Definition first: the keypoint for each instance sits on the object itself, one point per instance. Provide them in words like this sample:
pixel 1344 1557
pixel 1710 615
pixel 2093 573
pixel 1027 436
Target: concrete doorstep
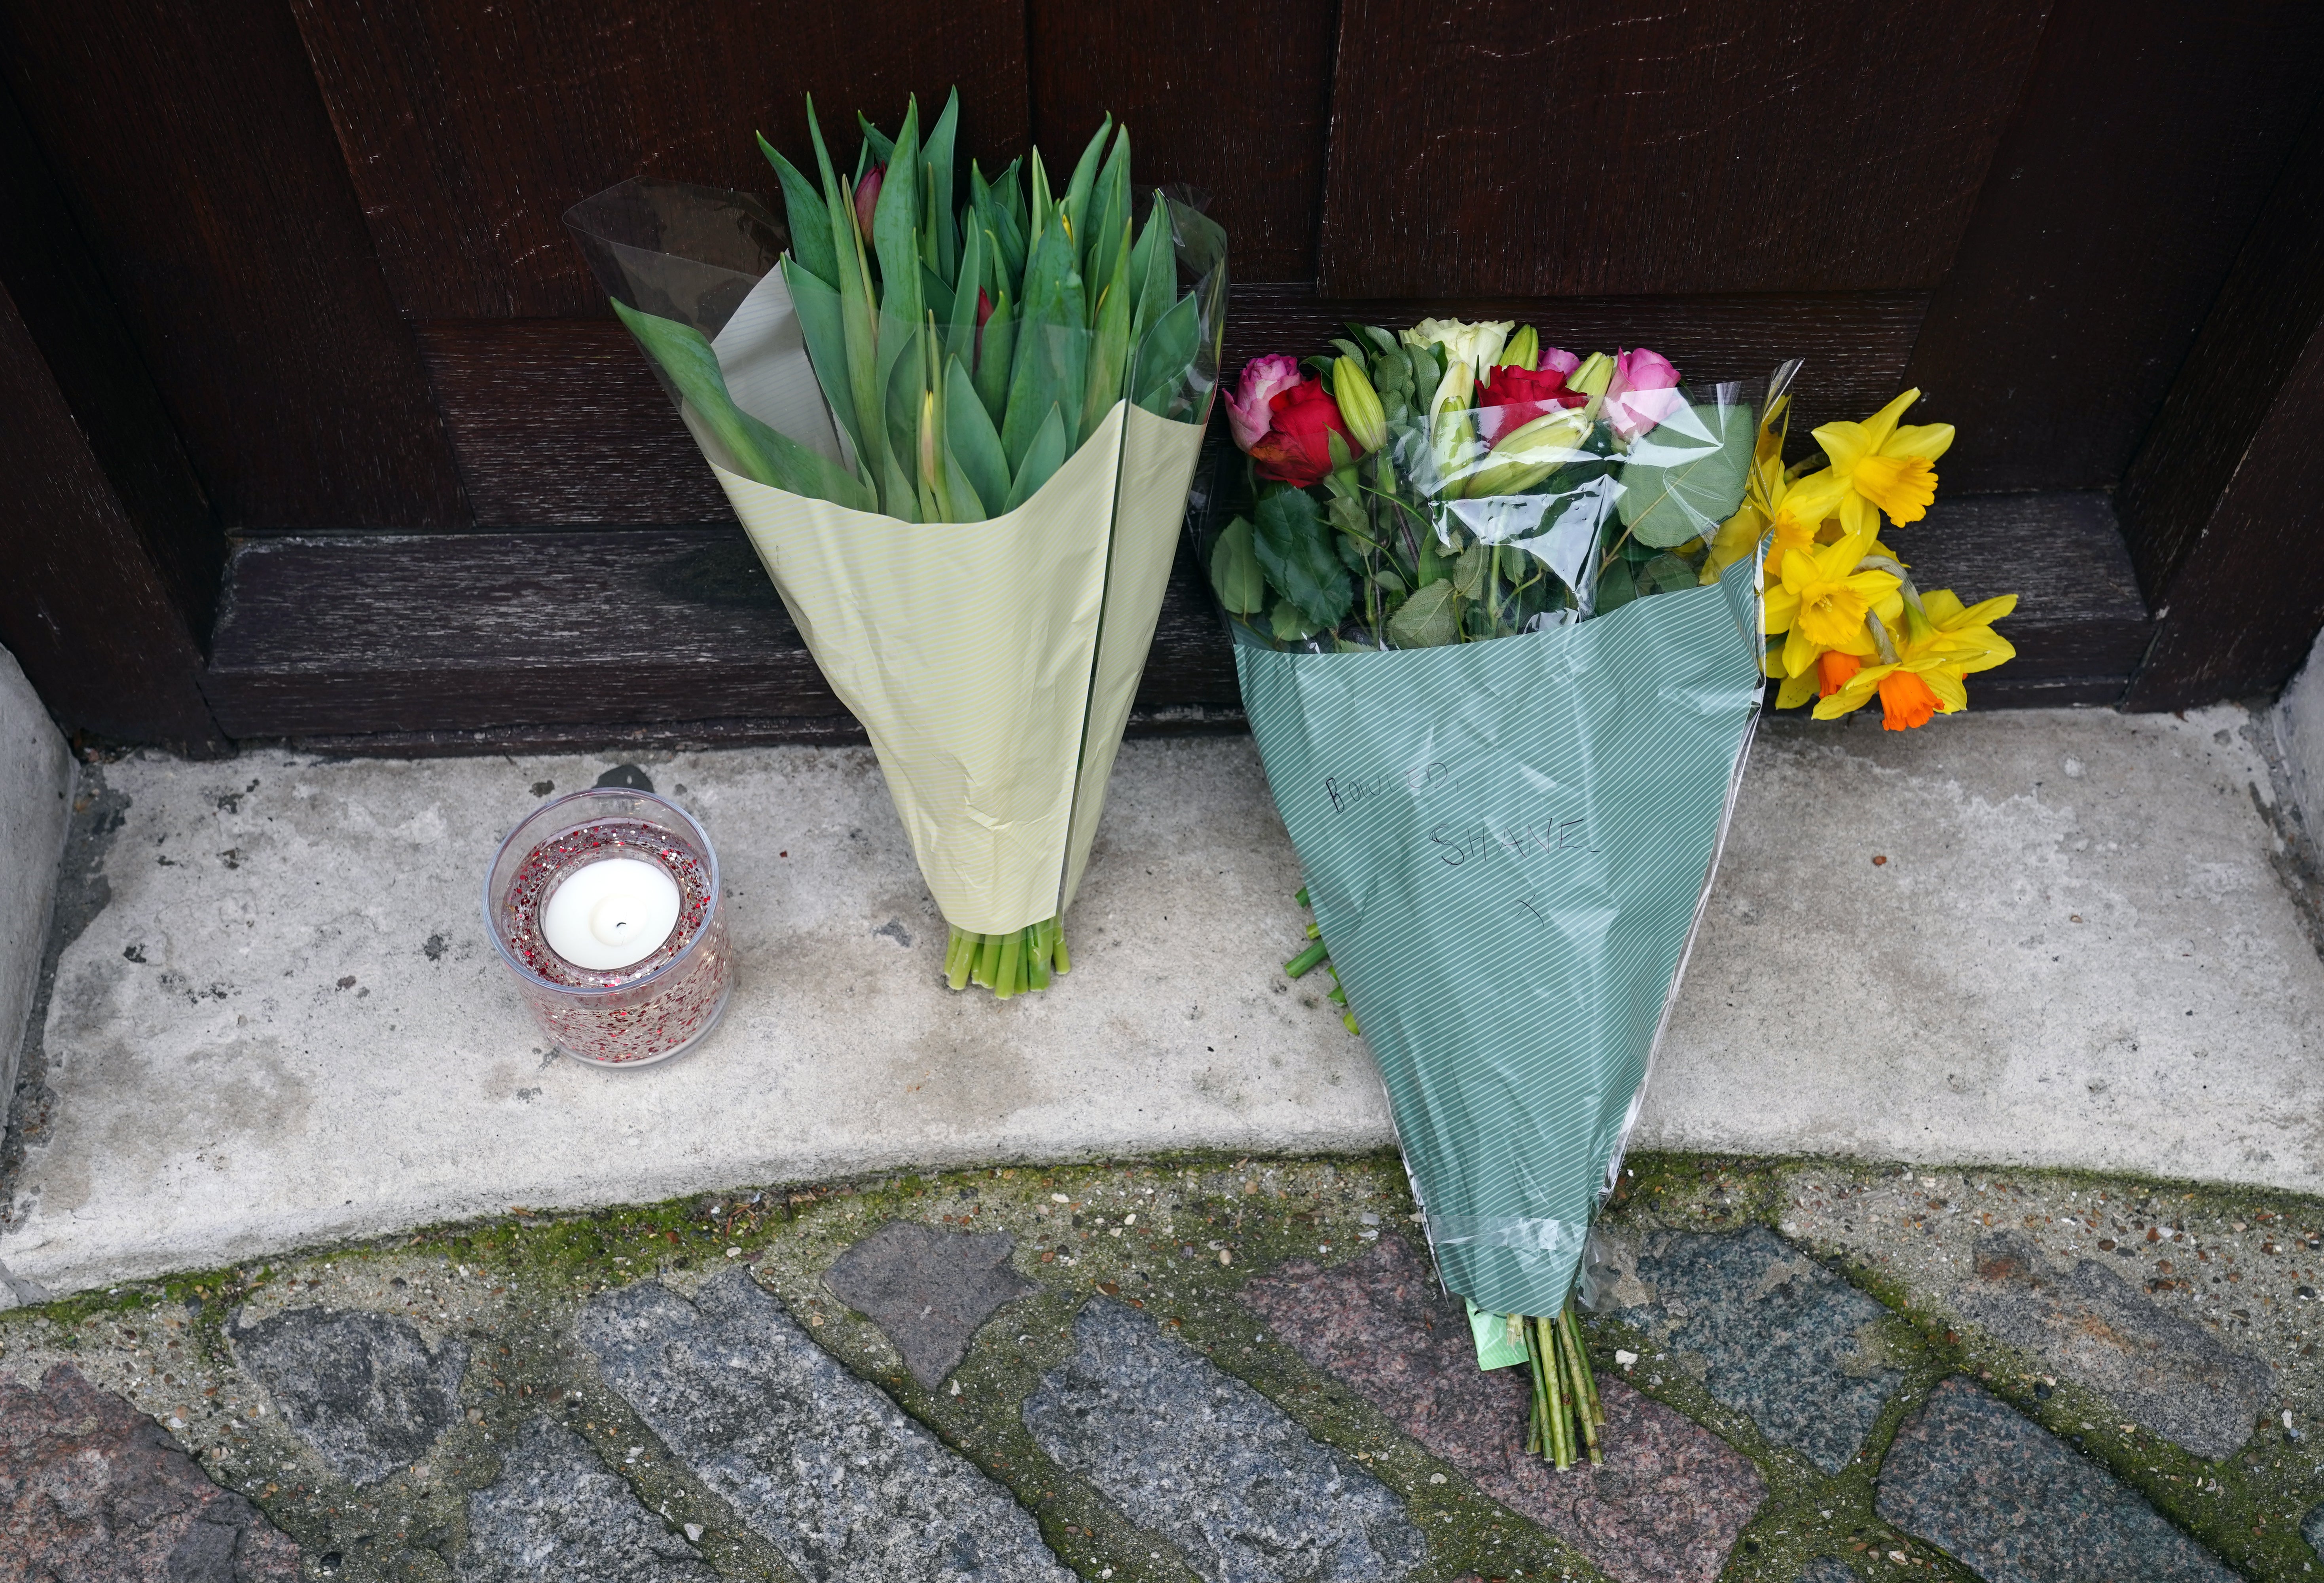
pixel 2025 940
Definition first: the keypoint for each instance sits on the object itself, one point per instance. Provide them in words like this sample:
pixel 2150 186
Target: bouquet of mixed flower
pixel 1504 616
pixel 958 420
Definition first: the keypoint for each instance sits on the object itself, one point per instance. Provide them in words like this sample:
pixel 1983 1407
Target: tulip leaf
pixel 1294 549
pixel 1051 365
pixel 940 243
pixel 1701 460
pixel 879 148
pixel 997 345
pixel 1075 204
pixel 763 453
pixel 935 297
pixel 809 218
pixel 1043 458
pixel 971 437
pixel 1234 571
pixel 1108 217
pixel 822 321
pixel 966 508
pixel 1429 619
pixel 1109 355
pixel 858 325
pixel 1153 273
pixel 1165 356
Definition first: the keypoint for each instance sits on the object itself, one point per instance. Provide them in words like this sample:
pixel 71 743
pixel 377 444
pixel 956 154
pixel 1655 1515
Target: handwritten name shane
pixel 1456 845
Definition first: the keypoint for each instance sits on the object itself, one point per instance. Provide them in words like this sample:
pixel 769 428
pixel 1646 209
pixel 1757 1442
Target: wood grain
pixel 1233 98
pixel 560 420
pixel 2220 504
pixel 84 608
pixel 1503 147
pixel 202 173
pixel 469 130
pixel 2106 230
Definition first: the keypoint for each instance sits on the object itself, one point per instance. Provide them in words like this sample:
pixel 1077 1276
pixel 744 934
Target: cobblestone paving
pixel 1232 1370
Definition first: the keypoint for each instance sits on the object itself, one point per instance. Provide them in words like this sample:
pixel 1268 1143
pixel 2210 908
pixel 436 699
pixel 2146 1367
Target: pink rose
pixel 1263 379
pixel 1643 391
pixel 1557 360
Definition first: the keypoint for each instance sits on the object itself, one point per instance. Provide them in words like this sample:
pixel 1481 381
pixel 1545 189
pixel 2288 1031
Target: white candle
pixel 613 912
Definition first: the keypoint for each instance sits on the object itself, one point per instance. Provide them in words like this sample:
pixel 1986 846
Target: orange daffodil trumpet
pixel 1852 625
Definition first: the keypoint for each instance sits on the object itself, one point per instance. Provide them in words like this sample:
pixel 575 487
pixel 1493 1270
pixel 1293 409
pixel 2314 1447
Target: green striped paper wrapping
pixel 1507 845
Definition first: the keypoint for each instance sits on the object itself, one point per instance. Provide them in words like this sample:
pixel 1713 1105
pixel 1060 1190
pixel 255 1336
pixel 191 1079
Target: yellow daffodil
pixel 1824 597
pixel 1792 510
pixel 1943 643
pixel 1885 464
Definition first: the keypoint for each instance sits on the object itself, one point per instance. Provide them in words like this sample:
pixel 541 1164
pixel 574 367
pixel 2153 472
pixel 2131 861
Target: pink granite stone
pixel 92 1491
pixel 1667 1505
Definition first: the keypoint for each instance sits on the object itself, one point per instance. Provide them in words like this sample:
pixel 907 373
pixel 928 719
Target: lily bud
pixel 867 199
pixel 1524 348
pixel 1360 405
pixel 1593 375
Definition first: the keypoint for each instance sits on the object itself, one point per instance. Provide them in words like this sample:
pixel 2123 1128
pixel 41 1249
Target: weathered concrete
pixel 288 1025
pixel 2298 719
pixel 36 778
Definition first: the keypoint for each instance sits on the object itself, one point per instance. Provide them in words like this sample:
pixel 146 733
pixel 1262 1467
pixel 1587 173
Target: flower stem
pixel 1307 960
pixel 1015 963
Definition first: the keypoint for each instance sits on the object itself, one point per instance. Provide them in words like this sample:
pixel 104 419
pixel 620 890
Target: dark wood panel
pixel 470 129
pixel 1234 99
pixel 1506 147
pixel 202 171
pixel 560 420
pixel 83 607
pixel 469 642
pixel 2149 137
pixel 1855 344
pixel 2219 505
pixel 72 320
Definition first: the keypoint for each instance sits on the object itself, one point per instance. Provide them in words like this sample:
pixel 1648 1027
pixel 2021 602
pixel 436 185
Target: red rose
pixel 1510 398
pixel 1296 447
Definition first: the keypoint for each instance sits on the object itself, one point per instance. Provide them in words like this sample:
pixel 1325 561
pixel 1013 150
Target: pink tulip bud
pixel 1557 360
pixel 1263 379
pixel 1643 391
pixel 867 199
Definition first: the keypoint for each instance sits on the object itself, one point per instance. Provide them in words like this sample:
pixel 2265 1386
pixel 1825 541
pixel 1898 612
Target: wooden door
pixel 330 437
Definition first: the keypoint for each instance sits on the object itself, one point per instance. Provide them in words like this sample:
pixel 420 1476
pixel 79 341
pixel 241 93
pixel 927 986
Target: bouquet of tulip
pixel 958 420
pixel 1502 640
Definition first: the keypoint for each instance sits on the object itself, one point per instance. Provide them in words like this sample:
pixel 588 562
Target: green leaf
pixel 1165 354
pixel 1043 458
pixel 960 328
pixel 822 321
pixel 1234 571
pixel 1616 588
pixel 1294 549
pixel 1153 273
pixel 1109 354
pixel 857 314
pixel 768 458
pixel 1700 458
pixel 992 362
pixel 1287 623
pixel 973 439
pixel 1469 572
pixel 809 216
pixel 1075 205
pixel 940 243
pixel 1051 365
pixel 1665 574
pixel 879 148
pixel 1108 217
pixel 895 236
pixel 1429 619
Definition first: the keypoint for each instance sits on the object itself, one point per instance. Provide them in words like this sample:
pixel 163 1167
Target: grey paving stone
pixel 1778 1336
pixel 1195 1455
pixel 1824 1569
pixel 2088 1323
pixel 2311 1528
pixel 1972 1475
pixel 928 1291
pixel 365 1392
pixel 555 1512
pixel 826 1468
pixel 92 1491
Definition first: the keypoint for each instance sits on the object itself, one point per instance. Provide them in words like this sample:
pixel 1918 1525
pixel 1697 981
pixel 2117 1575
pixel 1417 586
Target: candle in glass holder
pixel 605 904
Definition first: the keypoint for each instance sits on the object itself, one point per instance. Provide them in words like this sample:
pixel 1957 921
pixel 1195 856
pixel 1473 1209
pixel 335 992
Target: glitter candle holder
pixel 655 1007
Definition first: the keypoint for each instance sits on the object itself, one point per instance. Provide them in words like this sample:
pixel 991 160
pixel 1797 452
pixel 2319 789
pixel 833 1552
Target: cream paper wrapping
pixel 991 664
